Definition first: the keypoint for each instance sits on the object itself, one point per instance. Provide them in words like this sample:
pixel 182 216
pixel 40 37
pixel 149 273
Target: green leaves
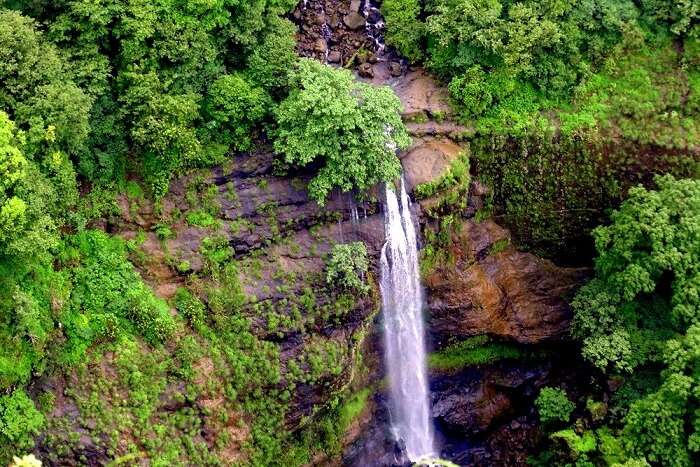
pixel 19 420
pixel 643 308
pixel 236 106
pixel 352 130
pixel 553 405
pixel 347 266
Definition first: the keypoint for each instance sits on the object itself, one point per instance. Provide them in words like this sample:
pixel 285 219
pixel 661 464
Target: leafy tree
pixel 270 61
pixel 236 106
pixel 404 29
pixel 350 129
pixel 553 405
pixel 347 266
pixel 641 312
pixel 646 281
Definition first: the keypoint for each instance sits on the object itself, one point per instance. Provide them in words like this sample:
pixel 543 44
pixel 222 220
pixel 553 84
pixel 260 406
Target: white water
pixel 404 340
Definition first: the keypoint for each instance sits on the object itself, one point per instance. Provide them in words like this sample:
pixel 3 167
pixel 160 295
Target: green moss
pixel 202 218
pixel 576 444
pixel 474 351
pixel 353 407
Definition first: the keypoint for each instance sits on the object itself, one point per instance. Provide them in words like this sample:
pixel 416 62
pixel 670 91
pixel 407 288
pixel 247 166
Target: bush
pixel 350 129
pixel 20 421
pixel 553 405
pixel 404 29
pixel 347 266
pixel 236 106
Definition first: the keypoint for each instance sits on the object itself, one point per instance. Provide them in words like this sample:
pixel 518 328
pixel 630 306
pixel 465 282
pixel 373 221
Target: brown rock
pixel 509 294
pixel 354 20
pixel 395 69
pixel 334 56
pixel 366 70
pixel 427 160
pixel 420 93
pixel 355 5
pixel 320 45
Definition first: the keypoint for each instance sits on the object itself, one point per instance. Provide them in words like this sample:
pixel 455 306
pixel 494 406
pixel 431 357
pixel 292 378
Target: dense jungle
pixel 213 214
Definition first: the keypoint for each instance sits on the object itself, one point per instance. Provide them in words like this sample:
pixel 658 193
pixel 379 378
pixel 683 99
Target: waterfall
pixel 404 340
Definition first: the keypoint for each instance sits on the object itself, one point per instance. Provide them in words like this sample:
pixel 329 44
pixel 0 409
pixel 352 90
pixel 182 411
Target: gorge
pixel 349 233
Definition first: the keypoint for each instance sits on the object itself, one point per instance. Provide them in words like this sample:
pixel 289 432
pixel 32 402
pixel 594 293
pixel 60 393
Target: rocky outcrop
pixel 491 288
pixel 428 159
pixel 422 96
pixel 473 402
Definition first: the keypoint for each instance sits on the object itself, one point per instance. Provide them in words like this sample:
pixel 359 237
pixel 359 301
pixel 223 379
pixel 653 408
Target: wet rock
pixel 395 69
pixel 420 94
pixel 374 16
pixel 366 70
pixel 508 294
pixel 320 45
pixel 355 5
pixel 354 20
pixel 334 56
pixel 428 160
pixel 320 19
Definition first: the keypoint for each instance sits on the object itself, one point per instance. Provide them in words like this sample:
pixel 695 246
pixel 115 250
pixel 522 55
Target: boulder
pixel 320 45
pixel 428 159
pixel 508 294
pixel 354 20
pixel 420 93
pixel 366 70
pixel 334 56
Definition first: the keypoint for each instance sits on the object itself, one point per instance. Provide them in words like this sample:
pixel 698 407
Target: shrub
pixel 553 405
pixel 349 129
pixel 404 30
pixel 236 106
pixel 190 307
pixel 347 266
pixel 20 421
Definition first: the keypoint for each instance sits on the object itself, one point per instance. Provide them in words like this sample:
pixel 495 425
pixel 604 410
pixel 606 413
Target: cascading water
pixel 404 340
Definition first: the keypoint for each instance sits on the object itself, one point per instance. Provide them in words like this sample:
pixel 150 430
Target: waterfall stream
pixel 404 340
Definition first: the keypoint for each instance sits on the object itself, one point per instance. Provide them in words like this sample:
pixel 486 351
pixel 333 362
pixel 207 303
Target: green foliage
pixel 350 129
pixel 20 421
pixel 645 281
pixel 553 405
pixel 639 313
pixel 347 266
pixel 474 351
pixel 236 107
pixel 26 461
pixel 274 57
pixel 404 29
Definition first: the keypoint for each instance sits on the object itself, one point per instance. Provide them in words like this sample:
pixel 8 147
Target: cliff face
pixel 323 346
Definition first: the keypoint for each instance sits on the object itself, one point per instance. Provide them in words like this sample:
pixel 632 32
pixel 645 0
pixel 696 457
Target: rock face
pixel 421 95
pixel 272 218
pixel 428 159
pixel 474 401
pixel 508 294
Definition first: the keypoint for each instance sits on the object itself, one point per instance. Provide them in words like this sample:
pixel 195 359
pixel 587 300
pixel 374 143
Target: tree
pixel 404 29
pixel 236 106
pixel 350 129
pixel 347 266
pixel 647 284
pixel 641 312
pixel 553 405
